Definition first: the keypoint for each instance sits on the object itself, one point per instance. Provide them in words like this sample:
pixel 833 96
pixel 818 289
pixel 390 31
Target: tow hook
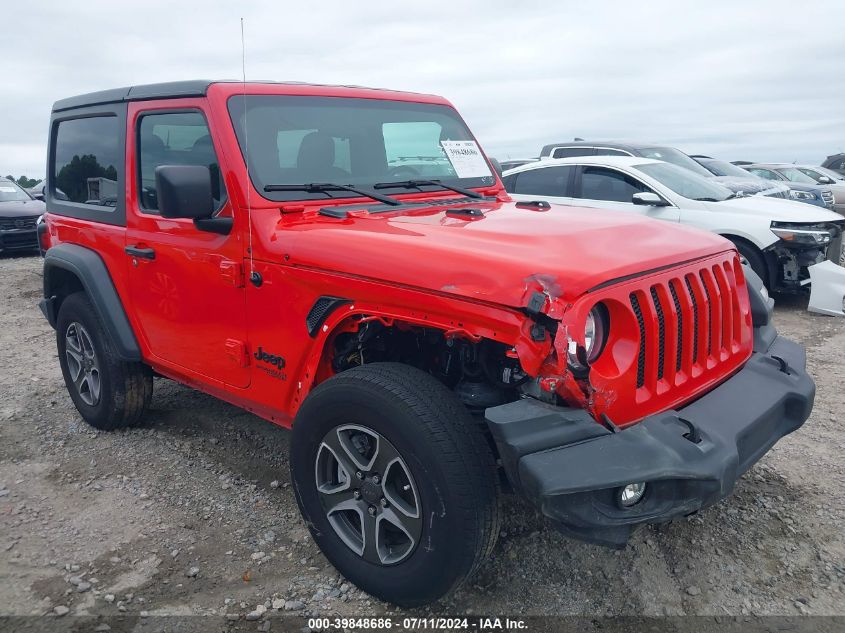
pixel 783 366
pixel 692 435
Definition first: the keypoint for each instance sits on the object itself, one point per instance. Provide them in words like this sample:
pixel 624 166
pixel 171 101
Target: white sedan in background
pixel 781 239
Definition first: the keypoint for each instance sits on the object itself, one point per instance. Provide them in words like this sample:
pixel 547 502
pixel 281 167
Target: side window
pixel 548 181
pixel 604 151
pixel 764 173
pixel 600 183
pixel 566 152
pixel 87 156
pixel 175 138
pixel 509 182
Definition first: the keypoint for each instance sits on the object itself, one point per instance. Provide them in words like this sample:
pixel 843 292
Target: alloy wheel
pixel 368 494
pixel 82 363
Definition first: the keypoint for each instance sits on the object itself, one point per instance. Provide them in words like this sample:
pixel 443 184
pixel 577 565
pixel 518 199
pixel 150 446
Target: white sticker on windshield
pixel 8 189
pixel 466 159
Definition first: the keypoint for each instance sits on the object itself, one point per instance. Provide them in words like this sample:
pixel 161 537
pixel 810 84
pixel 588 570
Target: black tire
pixel 124 389
pixel 449 459
pixel 755 259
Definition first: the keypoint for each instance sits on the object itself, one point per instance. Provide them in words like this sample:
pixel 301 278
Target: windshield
pixel 361 142
pixel 674 156
pixel 685 183
pixel 10 192
pixel 793 174
pixel 724 168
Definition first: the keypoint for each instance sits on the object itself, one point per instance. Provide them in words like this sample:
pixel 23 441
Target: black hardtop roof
pixel 165 90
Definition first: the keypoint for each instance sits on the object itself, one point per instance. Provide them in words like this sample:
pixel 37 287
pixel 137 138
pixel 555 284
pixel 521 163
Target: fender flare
pixel 90 269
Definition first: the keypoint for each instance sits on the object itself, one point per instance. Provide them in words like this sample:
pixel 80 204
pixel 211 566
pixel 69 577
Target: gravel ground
pixel 194 513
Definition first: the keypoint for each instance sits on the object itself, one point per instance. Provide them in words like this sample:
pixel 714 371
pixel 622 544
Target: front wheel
pixel 396 482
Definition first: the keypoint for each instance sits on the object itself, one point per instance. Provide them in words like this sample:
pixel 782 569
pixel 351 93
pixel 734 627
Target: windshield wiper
pixel 708 199
pixel 325 187
pixel 416 184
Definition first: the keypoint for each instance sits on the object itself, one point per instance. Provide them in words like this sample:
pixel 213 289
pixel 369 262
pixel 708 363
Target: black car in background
pixel 19 213
pixel 836 162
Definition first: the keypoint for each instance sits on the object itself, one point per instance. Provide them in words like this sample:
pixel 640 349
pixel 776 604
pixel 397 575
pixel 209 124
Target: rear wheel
pixel 109 393
pixel 395 481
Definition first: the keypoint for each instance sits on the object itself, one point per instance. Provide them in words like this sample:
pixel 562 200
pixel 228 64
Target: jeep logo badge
pixel 272 359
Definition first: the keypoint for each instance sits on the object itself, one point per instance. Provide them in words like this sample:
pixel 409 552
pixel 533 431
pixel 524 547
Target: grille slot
pixel 695 320
pixel 680 353
pixel 661 334
pixel 635 305
pixel 709 302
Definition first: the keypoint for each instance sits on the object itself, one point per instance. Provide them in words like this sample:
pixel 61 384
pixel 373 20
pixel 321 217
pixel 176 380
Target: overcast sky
pixel 754 80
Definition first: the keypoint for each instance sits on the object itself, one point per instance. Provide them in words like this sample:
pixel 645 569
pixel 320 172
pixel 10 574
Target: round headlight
pixel 595 334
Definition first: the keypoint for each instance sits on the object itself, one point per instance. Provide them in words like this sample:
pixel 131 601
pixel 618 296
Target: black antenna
pixel 254 276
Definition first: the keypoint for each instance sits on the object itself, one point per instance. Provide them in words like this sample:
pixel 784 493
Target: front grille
pixel 827 196
pixel 682 315
pixel 17 224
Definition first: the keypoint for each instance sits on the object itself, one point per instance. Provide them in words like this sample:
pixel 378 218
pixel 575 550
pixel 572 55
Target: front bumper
pixel 571 468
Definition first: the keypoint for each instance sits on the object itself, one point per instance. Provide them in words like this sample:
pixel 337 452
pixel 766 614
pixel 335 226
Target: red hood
pixel 494 258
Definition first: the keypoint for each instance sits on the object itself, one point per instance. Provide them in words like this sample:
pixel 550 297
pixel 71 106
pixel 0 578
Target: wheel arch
pixel 470 320
pixel 70 268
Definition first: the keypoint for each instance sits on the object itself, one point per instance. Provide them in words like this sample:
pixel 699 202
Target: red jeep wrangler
pixel 345 262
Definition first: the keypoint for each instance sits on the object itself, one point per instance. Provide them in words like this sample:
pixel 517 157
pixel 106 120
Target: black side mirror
pixel 39 196
pixel 649 199
pixel 184 191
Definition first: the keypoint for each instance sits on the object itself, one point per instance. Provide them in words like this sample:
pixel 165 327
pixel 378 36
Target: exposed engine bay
pixel 483 374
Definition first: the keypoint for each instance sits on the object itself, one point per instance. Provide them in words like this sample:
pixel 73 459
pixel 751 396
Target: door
pixel 607 188
pixel 186 285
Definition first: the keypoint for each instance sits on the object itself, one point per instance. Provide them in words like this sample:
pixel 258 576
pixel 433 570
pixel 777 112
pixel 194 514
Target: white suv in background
pixel 780 238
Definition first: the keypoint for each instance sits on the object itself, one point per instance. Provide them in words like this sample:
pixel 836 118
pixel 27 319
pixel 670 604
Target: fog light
pixel 631 494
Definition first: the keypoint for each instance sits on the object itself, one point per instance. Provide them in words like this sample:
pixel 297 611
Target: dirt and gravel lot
pixel 194 514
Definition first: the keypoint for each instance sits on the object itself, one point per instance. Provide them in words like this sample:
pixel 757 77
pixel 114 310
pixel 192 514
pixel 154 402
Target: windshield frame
pixel 26 196
pixel 235 108
pixel 709 187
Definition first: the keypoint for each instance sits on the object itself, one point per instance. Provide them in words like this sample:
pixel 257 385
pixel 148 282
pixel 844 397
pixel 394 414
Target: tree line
pixel 24 182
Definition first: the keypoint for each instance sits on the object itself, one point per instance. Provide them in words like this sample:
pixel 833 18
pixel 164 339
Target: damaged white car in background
pixel 788 244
